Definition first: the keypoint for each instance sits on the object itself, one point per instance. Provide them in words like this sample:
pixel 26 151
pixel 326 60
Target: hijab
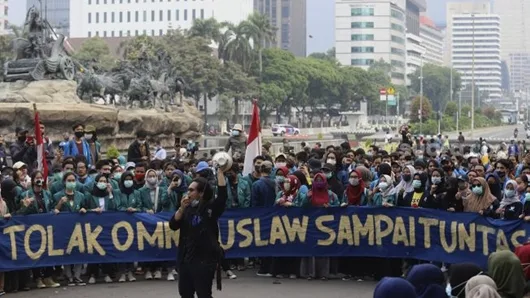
pixel 479 281
pixel 423 178
pixel 366 174
pixel 294 182
pixel 320 194
pixel 427 280
pixel 495 188
pixel 406 186
pixel 390 188
pixel 483 291
pixel 475 203
pixel 147 184
pixel 123 189
pixel 513 199
pixel 183 187
pixel 355 193
pixel 459 276
pixel 96 192
pixel 8 192
pixel 394 287
pixel 284 170
pixel 506 270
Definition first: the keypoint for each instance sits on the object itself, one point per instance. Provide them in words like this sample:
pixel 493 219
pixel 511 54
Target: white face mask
pixel 141 142
pixel 354 181
pixel 280 164
pixel 151 180
pixel 331 161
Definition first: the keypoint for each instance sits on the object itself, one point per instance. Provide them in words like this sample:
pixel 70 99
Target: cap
pixel 129 165
pixel 328 167
pixel 19 165
pixel 445 158
pixel 280 155
pixel 266 165
pixel 201 166
pixel 20 129
pixel 238 127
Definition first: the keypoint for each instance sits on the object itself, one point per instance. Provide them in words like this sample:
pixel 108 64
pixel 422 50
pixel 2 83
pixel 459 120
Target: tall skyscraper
pixel 369 30
pixel 4 12
pixel 415 49
pixel 433 41
pixel 515 44
pixel 57 12
pixel 116 18
pixel 289 17
pixel 476 51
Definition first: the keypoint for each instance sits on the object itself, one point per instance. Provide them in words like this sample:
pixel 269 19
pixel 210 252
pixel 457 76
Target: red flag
pixel 253 142
pixel 41 153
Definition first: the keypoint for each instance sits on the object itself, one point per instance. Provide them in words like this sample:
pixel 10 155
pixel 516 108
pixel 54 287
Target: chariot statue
pixel 39 56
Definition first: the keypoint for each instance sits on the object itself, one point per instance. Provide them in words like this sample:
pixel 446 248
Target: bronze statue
pixel 39 57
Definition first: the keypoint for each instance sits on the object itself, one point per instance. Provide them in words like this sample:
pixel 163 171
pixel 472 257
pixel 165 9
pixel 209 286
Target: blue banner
pixel 47 239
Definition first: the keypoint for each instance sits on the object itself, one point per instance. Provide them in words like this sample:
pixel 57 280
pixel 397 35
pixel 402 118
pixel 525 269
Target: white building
pixel 115 18
pixel 4 12
pixel 476 51
pixel 415 48
pixel 515 43
pixel 433 41
pixel 369 30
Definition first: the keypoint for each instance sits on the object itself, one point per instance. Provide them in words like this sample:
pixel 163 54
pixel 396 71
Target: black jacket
pixel 134 155
pixel 199 231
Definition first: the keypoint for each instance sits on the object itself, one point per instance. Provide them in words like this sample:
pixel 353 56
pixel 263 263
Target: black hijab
pixel 9 193
pixel 124 189
pixel 96 192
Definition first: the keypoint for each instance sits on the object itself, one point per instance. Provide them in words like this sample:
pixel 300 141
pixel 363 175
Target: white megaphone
pixel 222 160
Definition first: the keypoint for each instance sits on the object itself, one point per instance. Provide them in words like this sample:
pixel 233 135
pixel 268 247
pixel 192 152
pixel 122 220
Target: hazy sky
pixel 320 19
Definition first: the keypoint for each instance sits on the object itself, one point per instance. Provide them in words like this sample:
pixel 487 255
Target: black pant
pixel 265 266
pixel 109 269
pixel 16 280
pixel 43 272
pixel 196 278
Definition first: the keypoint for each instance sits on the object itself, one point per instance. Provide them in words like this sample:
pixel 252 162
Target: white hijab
pixel 407 186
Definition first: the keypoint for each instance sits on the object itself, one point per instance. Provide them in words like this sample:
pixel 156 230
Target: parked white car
pixel 284 129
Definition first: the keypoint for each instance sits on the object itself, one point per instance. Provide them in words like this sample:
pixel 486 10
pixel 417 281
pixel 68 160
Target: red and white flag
pixel 253 142
pixel 41 153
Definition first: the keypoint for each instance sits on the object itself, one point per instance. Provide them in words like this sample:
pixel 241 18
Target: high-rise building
pixel 453 8
pixel 367 31
pixel 115 18
pixel 289 17
pixel 415 48
pixel 433 41
pixel 515 44
pixel 4 12
pixel 57 12
pixel 476 51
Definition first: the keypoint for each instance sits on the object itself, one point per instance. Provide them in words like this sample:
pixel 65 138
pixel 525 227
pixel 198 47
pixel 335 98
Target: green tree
pixel 96 52
pixel 206 28
pixel 451 109
pixel 436 84
pixel 261 32
pixel 226 108
pixel 426 110
pixel 235 83
pixel 329 56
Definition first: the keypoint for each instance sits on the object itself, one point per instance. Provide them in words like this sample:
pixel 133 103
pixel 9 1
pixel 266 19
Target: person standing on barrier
pixel 200 253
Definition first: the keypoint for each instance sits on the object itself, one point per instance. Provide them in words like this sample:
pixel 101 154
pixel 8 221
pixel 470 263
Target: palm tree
pixel 206 28
pixel 237 46
pixel 261 32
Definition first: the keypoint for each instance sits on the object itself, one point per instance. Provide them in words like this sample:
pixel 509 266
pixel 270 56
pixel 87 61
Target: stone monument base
pixel 60 108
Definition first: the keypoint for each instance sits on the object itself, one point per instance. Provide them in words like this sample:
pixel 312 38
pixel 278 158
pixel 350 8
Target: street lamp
pixel 420 112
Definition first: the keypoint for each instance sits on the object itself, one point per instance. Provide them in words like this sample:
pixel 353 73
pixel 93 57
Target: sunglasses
pixel 476 185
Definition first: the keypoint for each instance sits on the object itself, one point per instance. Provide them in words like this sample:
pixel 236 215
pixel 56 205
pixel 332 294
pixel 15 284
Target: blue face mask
pixel 509 193
pixel 235 133
pixel 527 197
pixel 416 184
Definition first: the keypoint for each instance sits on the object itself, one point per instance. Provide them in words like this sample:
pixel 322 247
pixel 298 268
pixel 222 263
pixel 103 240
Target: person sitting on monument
pixel 139 149
pixel 79 145
pixel 91 138
pixel 23 149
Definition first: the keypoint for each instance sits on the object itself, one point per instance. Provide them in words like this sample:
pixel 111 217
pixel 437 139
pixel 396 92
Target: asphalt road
pixel 247 285
pixel 500 132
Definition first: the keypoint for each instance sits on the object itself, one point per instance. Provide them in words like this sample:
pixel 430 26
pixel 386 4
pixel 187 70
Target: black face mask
pixel 406 178
pixel 21 138
pixel 79 134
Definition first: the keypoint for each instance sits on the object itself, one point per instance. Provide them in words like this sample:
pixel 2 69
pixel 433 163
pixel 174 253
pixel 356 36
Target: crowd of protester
pixel 420 173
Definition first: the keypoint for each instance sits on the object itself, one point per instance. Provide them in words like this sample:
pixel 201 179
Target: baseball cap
pixel 19 165
pixel 201 166
pixel 238 127
pixel 314 165
pixel 129 165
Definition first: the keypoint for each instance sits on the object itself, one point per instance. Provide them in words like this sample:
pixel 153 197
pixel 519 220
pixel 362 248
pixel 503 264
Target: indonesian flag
pixel 253 142
pixel 41 153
